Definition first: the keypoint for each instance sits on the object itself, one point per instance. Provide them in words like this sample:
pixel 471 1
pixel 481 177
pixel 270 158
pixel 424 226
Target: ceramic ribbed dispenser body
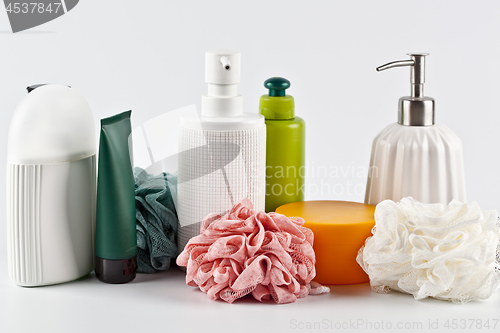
pixel 416 157
pixel 222 155
pixel 51 187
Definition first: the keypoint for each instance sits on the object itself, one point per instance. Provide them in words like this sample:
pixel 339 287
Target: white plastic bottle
pixel 416 157
pixel 51 187
pixel 222 156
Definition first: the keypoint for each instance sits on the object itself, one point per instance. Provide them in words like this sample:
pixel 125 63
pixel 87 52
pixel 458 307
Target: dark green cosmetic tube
pixel 115 235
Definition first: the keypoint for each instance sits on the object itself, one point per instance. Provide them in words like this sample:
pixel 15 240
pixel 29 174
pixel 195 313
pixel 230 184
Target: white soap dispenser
pixel 51 187
pixel 222 157
pixel 416 157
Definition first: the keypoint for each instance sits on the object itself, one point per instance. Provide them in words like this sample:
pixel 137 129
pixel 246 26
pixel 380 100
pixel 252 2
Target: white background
pixel 148 56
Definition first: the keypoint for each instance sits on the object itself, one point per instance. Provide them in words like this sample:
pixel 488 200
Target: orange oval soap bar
pixel 340 229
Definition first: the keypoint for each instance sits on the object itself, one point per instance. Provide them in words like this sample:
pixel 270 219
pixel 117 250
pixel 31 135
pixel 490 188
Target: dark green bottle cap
pixel 277 86
pixel 277 105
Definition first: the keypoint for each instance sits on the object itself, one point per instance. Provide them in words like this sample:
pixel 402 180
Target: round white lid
pixel 52 124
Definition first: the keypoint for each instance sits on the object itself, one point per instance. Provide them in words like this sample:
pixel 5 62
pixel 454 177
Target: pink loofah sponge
pixel 243 252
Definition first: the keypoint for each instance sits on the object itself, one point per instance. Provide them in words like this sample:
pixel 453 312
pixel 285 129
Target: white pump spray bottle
pixel 223 155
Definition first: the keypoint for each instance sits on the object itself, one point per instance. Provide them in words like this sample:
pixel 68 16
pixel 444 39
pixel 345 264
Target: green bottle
pixel 285 148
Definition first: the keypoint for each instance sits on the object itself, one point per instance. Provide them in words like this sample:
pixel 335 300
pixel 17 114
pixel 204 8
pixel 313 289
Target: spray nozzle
pixel 225 63
pixel 277 86
pixel 222 67
pixel 414 110
pixel 222 73
pixel 417 64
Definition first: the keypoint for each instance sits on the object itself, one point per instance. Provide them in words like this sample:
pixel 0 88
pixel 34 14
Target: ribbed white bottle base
pixel 50 220
pixel 423 162
pixel 207 183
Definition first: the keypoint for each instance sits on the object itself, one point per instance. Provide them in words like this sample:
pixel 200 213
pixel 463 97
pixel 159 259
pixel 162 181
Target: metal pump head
pixel 414 110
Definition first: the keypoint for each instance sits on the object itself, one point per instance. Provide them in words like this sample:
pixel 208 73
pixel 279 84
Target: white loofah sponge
pixel 428 250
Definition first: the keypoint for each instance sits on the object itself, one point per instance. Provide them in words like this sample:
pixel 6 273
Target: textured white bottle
pixel 423 162
pixel 51 187
pixel 222 157
pixel 219 190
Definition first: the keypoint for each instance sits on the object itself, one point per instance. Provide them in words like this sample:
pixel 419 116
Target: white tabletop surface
pixel 162 302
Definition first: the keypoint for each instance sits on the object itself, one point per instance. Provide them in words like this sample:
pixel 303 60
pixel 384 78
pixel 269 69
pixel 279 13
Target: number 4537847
pixel 33 7
pixel 471 324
